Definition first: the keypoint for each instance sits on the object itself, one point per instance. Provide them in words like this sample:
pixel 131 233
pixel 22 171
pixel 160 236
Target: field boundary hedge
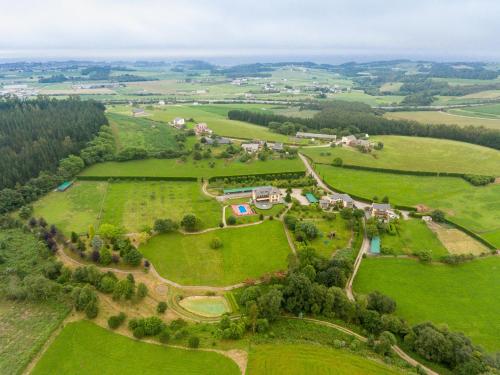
pixel 136 178
pixel 271 176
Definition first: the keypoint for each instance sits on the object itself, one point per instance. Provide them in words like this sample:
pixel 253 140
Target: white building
pixel 250 147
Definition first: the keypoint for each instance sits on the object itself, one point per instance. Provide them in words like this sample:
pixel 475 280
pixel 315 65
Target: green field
pixel 413 236
pixel 246 253
pixel 476 208
pixel 435 117
pixel 216 120
pixel 488 111
pixel 416 154
pixel 132 205
pixel 141 132
pixel 201 168
pixel 85 348
pixel 465 297
pixel 303 359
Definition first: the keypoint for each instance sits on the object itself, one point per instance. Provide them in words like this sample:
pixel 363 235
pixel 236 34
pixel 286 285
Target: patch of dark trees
pixel 343 117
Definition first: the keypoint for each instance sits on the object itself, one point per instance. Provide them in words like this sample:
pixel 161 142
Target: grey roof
pixel 278 146
pixel 265 191
pixel 315 135
pixel 381 206
pixel 220 140
pixel 138 110
pixel 350 138
pixel 338 196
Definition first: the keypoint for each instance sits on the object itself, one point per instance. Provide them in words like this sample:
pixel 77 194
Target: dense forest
pixel 35 135
pixel 343 117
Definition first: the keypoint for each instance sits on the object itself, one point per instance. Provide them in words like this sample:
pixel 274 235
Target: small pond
pixel 207 306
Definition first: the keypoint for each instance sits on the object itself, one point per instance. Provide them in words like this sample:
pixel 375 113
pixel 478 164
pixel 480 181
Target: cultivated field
pixel 489 111
pixel 413 236
pixel 456 241
pixel 132 205
pixel 83 347
pixel 476 208
pixel 465 297
pixel 416 154
pixel 246 253
pixel 303 359
pixel 191 168
pixel 435 117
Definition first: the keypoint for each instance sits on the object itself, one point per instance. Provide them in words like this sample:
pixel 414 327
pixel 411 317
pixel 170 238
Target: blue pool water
pixel 242 209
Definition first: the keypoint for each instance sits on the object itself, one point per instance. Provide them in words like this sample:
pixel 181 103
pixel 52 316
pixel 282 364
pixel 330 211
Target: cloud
pixel 224 27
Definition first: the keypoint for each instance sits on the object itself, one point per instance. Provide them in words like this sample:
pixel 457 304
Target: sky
pixel 250 29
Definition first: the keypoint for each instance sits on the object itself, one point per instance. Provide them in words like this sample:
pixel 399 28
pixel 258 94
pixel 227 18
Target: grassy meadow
pixel 305 359
pixel 413 236
pixel 476 208
pixel 85 348
pixel 192 168
pixel 132 205
pixel 465 297
pixel 141 132
pixel 246 253
pixel 416 154
pixel 439 117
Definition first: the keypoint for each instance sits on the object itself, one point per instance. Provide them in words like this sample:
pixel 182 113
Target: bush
pixel 337 162
pixel 190 222
pixel 142 291
pixel 231 220
pixel 138 332
pixel 381 303
pixel 215 243
pixel 164 336
pixel 161 308
pixel 116 320
pixel 425 256
pixel 194 342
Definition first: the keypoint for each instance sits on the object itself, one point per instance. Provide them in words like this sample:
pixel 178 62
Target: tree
pixel 96 243
pixel 381 303
pixel 385 342
pixel 109 231
pixel 115 321
pixel 70 166
pixel 74 237
pixel 288 198
pixel 164 336
pixel 105 257
pixel 337 162
pixel 194 342
pixel 438 216
pixel 132 257
pixel 231 220
pixel 269 304
pixel 25 212
pixel 190 222
pixel 252 314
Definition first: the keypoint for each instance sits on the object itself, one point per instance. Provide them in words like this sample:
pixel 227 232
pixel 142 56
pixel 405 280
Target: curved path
pixel 395 348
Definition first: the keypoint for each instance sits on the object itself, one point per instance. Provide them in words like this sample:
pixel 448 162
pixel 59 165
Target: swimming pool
pixel 242 209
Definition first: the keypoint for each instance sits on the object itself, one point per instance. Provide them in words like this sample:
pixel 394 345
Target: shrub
pixel 190 222
pixel 216 243
pixel 161 307
pixel 381 303
pixel 194 342
pixel 164 336
pixel 138 332
pixel 142 291
pixel 116 320
pixel 231 220
pixel 425 256
pixel 337 162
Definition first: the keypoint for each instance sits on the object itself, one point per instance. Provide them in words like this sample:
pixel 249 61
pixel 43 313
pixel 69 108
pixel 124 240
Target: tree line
pixel 360 118
pixel 35 135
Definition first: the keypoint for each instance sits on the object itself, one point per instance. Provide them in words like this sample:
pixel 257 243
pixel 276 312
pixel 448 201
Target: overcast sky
pixel 446 29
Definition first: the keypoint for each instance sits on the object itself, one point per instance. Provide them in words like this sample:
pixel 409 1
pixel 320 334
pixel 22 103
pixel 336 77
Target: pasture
pixel 191 168
pixel 142 132
pixel 488 111
pixel 465 297
pixel 305 359
pixel 413 236
pixel 83 347
pixel 416 154
pixel 133 205
pixel 216 120
pixel 456 241
pixel 246 253
pixel 476 208
pixel 438 117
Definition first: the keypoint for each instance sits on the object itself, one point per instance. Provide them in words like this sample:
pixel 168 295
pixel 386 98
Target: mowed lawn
pixel 476 208
pixel 142 132
pixel 216 120
pixel 413 236
pixel 246 253
pixel 192 168
pixel 132 205
pixel 435 117
pixel 465 296
pixel 85 348
pixel 304 359
pixel 416 154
